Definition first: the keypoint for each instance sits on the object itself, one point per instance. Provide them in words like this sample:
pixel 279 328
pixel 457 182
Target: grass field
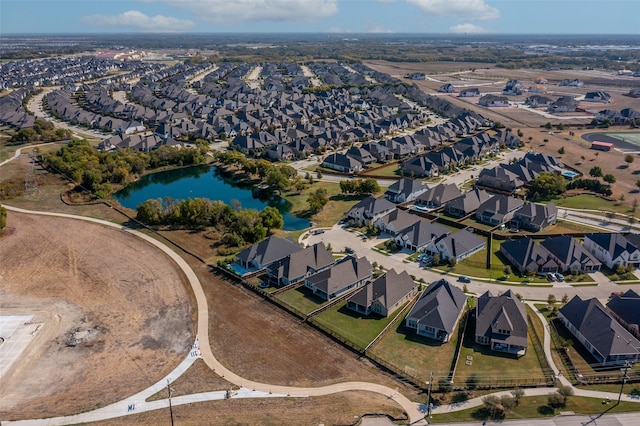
pixel 416 355
pixel 536 406
pixel 630 137
pixel 492 366
pixel 590 202
pixel 357 328
pixel 301 299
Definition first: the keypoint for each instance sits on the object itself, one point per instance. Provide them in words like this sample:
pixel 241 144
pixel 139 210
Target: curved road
pixel 414 411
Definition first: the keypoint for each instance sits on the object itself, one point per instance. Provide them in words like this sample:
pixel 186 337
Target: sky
pixel 321 16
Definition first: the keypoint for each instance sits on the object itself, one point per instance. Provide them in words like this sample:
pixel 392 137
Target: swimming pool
pixel 569 174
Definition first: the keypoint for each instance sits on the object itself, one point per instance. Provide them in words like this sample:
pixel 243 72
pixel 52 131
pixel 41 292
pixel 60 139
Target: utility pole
pixel 429 394
pixel 170 408
pixel 626 368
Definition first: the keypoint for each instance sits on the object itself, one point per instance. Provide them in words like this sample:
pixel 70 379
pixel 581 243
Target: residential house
pixel 499 178
pixel 498 209
pixel 447 88
pixel 438 311
pixel 612 250
pixel 467 203
pixel 570 255
pixel 298 265
pixel 405 190
pixel 347 273
pixel 458 246
pixel 572 83
pixel 438 196
pixel 535 217
pixel 420 234
pixel 538 101
pixel 395 221
pixel 369 210
pixel 527 256
pixel 342 163
pixel 385 295
pixel 469 93
pixel 281 153
pixel 625 308
pixel 599 96
pixel 362 155
pixel 262 254
pixel 512 88
pixel 490 100
pixel 419 166
pixel 601 335
pixel 501 323
pixel 564 104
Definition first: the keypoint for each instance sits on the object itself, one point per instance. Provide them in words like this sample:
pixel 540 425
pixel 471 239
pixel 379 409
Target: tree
pixel 628 158
pixel 368 186
pixel 517 394
pixel 551 300
pixel 638 183
pixel 150 212
pixel 609 178
pixel 317 200
pixel 445 385
pixel 561 150
pixel 493 405
pixel 472 381
pixel 560 126
pixel 271 218
pixel 545 186
pixel 555 400
pixel 3 217
pixel 507 270
pixel 548 126
pixel 595 172
pixel 565 299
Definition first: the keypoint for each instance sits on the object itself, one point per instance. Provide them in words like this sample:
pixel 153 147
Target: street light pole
pixel 170 408
pixel 429 394
pixel 626 368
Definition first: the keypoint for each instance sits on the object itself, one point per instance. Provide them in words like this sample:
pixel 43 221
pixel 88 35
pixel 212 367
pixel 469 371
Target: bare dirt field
pixel 339 409
pixel 117 316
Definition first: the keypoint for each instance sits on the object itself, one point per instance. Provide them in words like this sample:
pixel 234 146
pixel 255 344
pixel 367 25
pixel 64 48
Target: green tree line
pixel 239 226
pixel 42 131
pixel 96 171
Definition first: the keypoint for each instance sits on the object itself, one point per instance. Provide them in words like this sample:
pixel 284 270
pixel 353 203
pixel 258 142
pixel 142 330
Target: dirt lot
pixel 340 409
pixel 117 316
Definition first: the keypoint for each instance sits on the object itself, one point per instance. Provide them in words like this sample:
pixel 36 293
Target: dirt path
pixel 116 315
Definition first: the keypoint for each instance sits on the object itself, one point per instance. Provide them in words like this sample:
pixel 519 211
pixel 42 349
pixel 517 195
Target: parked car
pixel 464 279
pixel 318 231
pixel 349 250
pixel 551 276
pixel 559 277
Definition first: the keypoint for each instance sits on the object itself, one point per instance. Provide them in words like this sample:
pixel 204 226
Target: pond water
pixel 202 182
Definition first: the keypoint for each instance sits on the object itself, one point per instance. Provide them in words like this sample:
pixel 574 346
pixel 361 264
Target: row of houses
pixel 565 253
pixel 12 112
pixel 500 321
pixel 511 177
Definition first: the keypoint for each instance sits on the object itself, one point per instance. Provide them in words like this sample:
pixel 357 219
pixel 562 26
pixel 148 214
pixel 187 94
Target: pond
pixel 202 182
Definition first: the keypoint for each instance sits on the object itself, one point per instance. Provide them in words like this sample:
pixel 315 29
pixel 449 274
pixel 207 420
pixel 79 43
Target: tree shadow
pixel 545 410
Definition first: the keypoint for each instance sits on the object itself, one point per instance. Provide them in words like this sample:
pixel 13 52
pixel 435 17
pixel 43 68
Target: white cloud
pixel 474 9
pixel 468 29
pixel 375 27
pixel 232 11
pixel 138 21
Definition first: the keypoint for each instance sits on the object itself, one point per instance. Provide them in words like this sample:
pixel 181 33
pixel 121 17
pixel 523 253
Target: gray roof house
pixel 384 295
pixel 498 209
pixel 604 337
pixel 626 309
pixel 395 221
pixel 262 254
pixel 298 265
pixel 420 234
pixel 438 196
pixel 458 245
pixel 527 255
pixel 342 163
pixel 613 250
pixel 347 273
pixel 438 311
pixel 500 178
pixel 535 217
pixel 569 254
pixel 420 166
pixel 467 203
pixel 405 190
pixel 370 209
pixel 501 323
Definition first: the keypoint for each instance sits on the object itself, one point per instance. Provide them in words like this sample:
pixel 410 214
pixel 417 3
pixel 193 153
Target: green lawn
pixel 415 355
pixel 590 202
pixel 390 170
pixel 536 406
pixel 357 328
pixel 301 299
pixel 495 367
